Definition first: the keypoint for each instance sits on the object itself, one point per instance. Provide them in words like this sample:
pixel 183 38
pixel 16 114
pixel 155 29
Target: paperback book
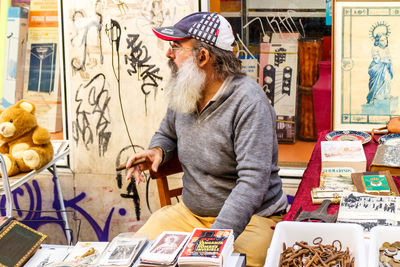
pixel 165 249
pixel 333 181
pixel 339 154
pixel 207 247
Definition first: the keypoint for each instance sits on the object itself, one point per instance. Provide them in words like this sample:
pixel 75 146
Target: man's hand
pixel 153 159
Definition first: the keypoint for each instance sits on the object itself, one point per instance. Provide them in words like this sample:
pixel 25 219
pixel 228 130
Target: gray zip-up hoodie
pixel 229 155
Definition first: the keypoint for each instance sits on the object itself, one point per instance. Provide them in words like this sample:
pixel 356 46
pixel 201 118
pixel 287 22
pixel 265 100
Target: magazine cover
pixel 206 243
pixel 165 248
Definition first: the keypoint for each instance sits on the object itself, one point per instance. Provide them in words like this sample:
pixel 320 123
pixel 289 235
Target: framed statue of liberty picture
pixel 366 64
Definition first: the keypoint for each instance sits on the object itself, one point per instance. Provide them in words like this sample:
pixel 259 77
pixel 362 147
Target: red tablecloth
pixel 311 179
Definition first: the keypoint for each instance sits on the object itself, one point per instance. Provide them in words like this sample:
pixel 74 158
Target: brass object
pixel 389 254
pixel 89 252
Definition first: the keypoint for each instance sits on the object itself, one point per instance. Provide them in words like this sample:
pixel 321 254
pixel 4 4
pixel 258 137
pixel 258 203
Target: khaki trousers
pixel 254 241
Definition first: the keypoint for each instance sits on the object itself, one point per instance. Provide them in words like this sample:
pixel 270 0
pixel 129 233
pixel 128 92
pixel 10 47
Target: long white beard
pixel 184 89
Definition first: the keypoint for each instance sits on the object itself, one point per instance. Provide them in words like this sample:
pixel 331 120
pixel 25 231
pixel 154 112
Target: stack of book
pixel 202 247
pixel 165 249
pixel 207 247
pixel 122 251
pixel 333 181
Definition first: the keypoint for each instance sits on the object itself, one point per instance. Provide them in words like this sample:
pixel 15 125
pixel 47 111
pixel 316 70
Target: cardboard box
pixel 337 154
pixel 15 51
pixel 350 235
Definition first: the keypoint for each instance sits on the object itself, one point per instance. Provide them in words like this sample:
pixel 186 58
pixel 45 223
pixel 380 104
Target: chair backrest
pixel 173 166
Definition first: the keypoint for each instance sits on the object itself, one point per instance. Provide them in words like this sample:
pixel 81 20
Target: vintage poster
pixel 366 64
pixel 278 78
pixel 14 67
pixel 42 67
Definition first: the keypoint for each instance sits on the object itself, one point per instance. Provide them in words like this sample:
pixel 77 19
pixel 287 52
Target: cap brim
pixel 170 33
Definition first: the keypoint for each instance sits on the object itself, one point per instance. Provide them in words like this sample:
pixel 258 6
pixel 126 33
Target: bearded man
pixel 222 126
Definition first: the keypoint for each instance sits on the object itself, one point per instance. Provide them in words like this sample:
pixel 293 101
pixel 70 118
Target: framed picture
pixel 366 64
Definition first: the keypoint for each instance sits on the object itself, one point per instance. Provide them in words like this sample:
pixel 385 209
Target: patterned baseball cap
pixel 210 28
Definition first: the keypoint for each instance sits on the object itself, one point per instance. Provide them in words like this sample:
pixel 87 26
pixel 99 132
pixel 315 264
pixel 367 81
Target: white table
pixel 11 183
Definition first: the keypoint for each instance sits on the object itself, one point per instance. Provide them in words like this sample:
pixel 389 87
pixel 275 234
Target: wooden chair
pixel 173 166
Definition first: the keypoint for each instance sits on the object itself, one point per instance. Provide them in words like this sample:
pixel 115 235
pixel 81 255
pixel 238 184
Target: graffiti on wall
pixel 82 25
pixel 131 188
pixel 35 217
pixel 92 114
pixel 138 61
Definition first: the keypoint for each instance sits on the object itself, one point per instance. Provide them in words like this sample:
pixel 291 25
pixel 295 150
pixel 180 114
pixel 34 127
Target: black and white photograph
pixel 369 210
pixel 122 252
pixel 168 244
pixel 165 248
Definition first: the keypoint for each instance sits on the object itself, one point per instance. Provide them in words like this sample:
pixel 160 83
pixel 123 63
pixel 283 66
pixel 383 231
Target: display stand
pixel 18 180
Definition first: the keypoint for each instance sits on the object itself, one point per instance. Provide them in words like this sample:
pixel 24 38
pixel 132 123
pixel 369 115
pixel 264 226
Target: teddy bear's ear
pixel 26 105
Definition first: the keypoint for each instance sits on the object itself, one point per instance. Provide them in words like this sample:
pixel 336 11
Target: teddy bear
pixel 25 145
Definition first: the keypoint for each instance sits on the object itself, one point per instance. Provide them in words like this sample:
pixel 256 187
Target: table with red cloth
pixel 311 179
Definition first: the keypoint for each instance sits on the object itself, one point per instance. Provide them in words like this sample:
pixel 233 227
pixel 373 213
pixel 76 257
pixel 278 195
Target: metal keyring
pixel 337 242
pixel 317 240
